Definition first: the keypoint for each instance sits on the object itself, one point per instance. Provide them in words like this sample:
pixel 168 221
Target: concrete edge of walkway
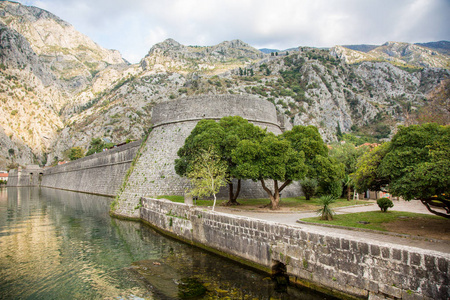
pixel 406 236
pixel 229 209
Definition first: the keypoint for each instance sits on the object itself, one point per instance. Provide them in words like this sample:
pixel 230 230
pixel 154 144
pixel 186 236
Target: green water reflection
pixel 64 245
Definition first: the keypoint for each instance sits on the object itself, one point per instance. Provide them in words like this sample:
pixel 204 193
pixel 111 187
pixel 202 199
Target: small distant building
pixel 370 145
pixel 4 176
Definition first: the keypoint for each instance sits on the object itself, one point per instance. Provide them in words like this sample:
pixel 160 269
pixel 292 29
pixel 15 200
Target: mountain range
pixel 59 89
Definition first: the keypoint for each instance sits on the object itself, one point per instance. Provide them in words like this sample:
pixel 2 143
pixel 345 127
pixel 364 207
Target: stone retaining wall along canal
pixel 100 173
pixel 339 264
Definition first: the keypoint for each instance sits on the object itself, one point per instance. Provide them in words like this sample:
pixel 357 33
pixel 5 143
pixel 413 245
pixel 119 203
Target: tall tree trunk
pixel 275 196
pixel 232 197
pixel 349 192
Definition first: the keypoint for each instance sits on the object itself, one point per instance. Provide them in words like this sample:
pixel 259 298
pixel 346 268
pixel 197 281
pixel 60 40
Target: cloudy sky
pixel 134 26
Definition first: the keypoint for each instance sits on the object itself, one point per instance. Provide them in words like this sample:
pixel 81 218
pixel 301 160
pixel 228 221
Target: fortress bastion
pixel 153 173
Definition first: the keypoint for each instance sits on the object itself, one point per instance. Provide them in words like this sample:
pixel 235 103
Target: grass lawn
pixel 428 226
pixel 377 220
pixel 292 203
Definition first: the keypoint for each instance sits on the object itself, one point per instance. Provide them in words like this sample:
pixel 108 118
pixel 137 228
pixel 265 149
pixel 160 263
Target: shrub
pixel 384 204
pixel 326 212
pixel 76 153
pixel 309 187
pixel 331 188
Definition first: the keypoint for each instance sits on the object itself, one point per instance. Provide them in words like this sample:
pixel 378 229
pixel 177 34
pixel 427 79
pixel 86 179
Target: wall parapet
pixel 348 266
pixel 215 107
pixel 256 122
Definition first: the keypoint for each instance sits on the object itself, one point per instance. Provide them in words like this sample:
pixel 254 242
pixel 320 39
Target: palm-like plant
pixel 348 182
pixel 326 212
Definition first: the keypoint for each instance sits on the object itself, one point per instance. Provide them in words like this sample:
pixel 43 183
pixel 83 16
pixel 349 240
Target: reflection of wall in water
pixel 87 204
pixel 186 261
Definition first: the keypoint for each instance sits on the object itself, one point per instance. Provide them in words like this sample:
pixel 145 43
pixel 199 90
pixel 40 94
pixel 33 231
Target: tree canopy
pixel 223 136
pixel 97 145
pixel 253 153
pixel 76 153
pixel 415 164
pixel 208 174
pixel 271 158
pixel 348 155
pixel 319 165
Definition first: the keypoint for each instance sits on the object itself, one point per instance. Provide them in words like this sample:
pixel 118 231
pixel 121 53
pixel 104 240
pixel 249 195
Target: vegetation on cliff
pixel 61 90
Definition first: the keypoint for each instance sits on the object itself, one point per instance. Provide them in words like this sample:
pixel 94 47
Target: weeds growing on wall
pixel 129 172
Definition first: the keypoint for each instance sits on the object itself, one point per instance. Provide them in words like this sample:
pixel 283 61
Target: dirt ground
pixel 430 228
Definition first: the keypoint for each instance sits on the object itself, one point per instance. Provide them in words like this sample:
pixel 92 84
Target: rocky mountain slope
pixel 45 64
pixel 400 54
pixel 58 89
pixel 171 56
pixel 442 47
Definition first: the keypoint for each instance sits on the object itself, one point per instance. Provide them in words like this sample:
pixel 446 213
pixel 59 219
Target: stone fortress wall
pixel 154 172
pixel 29 176
pixel 344 264
pixel 347 266
pixel 101 173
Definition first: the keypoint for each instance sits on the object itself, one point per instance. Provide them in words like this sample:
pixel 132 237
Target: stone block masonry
pixel 29 176
pixel 154 172
pixel 100 173
pixel 341 265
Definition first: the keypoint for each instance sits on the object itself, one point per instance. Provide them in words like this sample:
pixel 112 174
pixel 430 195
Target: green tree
pixel 208 174
pixel 76 153
pixel 348 155
pixel 224 136
pixel 367 175
pixel 272 158
pixel 97 145
pixel 309 187
pixel 414 165
pixel 325 169
pixel 12 154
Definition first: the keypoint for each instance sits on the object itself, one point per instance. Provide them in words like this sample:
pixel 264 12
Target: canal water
pixel 64 245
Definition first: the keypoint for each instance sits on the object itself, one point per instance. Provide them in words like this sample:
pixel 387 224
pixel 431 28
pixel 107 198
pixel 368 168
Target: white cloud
pixel 133 26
